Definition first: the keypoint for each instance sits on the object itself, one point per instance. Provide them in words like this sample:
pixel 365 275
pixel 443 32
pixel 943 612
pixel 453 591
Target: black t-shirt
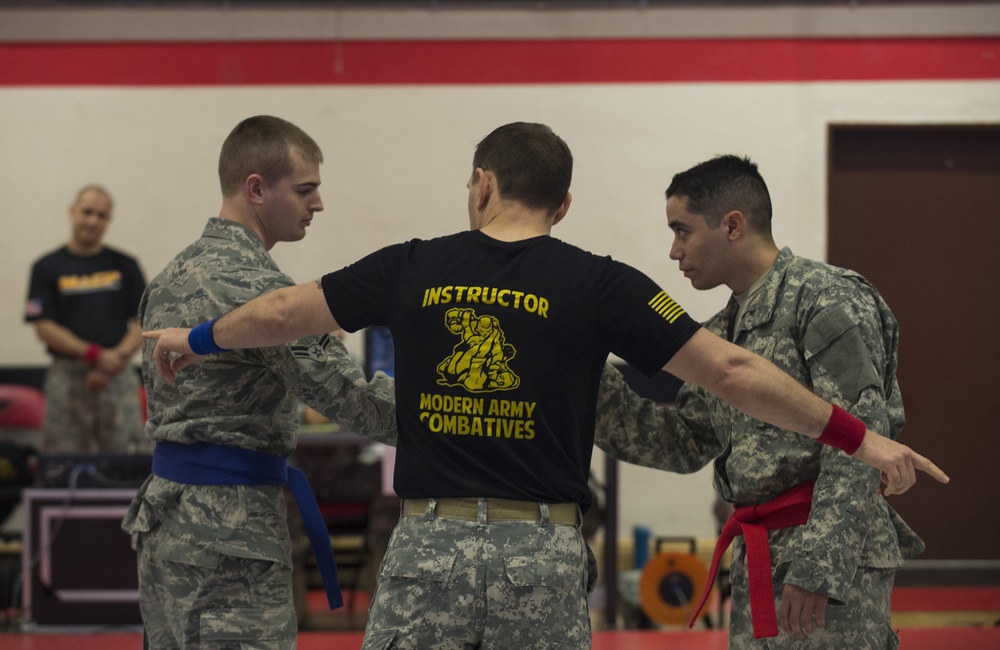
pixel 499 352
pixel 92 296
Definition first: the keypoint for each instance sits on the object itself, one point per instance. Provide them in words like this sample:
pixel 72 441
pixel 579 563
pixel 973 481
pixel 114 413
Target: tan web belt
pixel 496 510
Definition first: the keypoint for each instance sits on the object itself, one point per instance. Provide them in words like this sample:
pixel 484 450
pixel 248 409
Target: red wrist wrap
pixel 843 431
pixel 93 351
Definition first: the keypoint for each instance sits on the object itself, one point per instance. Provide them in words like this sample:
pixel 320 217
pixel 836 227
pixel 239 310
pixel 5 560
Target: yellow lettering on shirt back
pixel 469 416
pixel 509 298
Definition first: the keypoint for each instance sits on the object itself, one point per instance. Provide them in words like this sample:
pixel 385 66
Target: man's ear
pixel 253 189
pixel 735 224
pixel 563 209
pixel 485 182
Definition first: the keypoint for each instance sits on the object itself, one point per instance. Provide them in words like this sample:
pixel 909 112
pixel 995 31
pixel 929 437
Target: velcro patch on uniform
pixel 827 328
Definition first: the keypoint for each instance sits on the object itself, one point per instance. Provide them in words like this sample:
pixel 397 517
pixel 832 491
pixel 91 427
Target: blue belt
pixel 205 463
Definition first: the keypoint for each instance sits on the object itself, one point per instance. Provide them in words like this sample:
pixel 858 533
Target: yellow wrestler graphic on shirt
pixel 479 361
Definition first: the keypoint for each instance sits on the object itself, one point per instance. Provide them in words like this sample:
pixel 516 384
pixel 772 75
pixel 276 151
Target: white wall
pixel 397 161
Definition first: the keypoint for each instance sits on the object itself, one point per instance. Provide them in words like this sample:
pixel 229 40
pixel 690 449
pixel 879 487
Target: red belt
pixel 788 509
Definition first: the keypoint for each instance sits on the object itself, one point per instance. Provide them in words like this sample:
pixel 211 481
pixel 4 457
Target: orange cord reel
pixel 671 586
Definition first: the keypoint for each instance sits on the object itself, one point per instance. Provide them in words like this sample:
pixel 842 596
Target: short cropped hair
pixel 94 187
pixel 723 184
pixel 262 145
pixel 531 163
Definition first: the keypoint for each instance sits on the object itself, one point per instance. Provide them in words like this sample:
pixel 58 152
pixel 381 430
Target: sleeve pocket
pixel 825 329
pixel 837 353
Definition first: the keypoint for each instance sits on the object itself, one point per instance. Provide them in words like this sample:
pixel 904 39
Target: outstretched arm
pixel 758 388
pixel 275 318
pixel 636 430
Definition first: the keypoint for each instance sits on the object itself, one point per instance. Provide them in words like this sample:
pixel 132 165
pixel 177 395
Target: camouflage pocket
pixel 548 603
pixel 247 629
pixel 541 571
pixel 418 564
pixel 383 640
pixel 161 544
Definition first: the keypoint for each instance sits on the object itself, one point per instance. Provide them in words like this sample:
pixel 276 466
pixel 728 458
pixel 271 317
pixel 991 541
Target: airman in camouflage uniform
pixel 215 561
pixel 830 329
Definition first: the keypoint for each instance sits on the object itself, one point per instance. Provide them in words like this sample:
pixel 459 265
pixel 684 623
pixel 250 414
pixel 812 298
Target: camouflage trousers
pixel 81 421
pixel 196 599
pixel 862 623
pixel 451 584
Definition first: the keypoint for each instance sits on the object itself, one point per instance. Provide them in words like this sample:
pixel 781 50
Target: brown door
pixel 916 209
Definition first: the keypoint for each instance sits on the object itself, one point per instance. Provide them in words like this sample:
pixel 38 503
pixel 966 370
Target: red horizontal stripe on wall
pixel 496 62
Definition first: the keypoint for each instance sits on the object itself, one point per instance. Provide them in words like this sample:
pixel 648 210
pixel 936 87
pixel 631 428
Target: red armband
pixel 93 351
pixel 843 431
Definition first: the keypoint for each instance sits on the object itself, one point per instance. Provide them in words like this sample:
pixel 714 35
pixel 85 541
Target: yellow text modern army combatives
pixel 529 302
pixel 478 416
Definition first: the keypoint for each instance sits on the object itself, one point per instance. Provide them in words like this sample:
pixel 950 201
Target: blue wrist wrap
pixel 201 340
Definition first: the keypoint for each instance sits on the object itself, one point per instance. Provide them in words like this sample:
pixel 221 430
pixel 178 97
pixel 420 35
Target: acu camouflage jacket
pixel 830 329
